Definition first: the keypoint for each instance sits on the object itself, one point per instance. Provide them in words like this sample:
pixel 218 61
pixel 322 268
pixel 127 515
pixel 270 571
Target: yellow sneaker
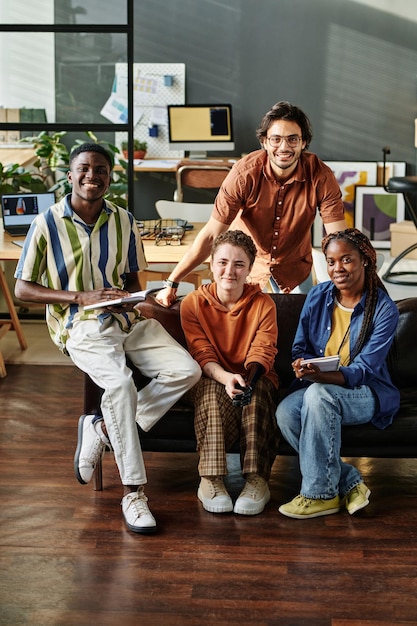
pixel 357 498
pixel 303 508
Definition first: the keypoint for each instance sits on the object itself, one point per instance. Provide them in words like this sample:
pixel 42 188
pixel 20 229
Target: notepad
pixel 136 296
pixel 325 363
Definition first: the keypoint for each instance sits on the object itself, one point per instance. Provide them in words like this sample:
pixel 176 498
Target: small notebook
pixel 136 296
pixel 325 363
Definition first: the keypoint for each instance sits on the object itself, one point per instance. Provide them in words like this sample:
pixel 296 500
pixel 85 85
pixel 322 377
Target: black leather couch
pixel 175 431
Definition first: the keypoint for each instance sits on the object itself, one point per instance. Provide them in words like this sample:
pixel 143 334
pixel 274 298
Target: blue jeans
pixel 310 419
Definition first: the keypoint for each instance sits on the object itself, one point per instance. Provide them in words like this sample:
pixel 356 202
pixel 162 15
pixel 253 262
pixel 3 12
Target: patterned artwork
pixel 375 210
pixel 349 174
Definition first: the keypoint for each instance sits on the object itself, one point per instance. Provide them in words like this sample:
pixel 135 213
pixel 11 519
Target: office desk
pixel 162 258
pixel 170 254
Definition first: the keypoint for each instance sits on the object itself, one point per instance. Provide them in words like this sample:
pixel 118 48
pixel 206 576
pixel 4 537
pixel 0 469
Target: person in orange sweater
pixel 231 331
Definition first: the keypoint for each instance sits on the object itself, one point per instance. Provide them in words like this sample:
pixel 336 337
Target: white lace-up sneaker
pixel 136 512
pixel 253 497
pixel 90 448
pixel 213 495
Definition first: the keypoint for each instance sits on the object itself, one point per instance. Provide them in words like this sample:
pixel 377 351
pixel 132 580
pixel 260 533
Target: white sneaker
pixel 136 512
pixel 90 448
pixel 253 497
pixel 213 495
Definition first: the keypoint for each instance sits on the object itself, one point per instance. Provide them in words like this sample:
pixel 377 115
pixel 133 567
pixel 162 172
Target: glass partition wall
pixel 57 70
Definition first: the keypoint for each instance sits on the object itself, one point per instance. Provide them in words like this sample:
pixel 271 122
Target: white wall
pixel 27 60
pixel 400 8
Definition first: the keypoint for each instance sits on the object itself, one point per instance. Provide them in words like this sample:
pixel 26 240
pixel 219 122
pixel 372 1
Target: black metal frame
pixel 389 276
pixel 126 29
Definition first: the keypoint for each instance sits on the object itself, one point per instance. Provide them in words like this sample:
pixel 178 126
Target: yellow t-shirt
pixel 339 337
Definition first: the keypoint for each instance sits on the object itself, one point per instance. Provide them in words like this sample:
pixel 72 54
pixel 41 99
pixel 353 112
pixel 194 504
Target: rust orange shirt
pixel 234 338
pixel 279 216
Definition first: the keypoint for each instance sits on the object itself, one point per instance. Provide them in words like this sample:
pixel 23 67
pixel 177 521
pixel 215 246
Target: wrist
pixel 171 283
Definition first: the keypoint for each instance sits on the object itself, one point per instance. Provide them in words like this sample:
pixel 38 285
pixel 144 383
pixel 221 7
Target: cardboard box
pixel 403 235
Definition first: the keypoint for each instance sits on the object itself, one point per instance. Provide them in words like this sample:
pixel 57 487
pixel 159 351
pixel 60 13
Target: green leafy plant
pixel 14 179
pixel 52 162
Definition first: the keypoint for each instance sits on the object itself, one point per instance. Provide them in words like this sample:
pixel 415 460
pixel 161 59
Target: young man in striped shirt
pixel 84 250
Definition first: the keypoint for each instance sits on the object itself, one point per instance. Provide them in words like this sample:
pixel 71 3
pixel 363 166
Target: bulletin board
pixel 155 85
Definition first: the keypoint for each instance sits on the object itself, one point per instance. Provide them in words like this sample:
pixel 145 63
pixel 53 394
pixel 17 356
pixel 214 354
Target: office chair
pixel 189 211
pixel 200 175
pixel 406 185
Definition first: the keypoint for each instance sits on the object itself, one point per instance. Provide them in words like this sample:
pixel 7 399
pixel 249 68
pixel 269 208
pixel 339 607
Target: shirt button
pixel 276 232
pixel 272 260
pixel 277 218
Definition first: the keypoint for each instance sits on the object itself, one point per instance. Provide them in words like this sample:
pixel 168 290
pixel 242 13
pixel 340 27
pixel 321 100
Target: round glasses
pixel 276 140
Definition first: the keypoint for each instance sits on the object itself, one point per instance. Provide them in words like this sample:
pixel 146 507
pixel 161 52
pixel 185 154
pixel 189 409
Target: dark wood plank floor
pixel 67 559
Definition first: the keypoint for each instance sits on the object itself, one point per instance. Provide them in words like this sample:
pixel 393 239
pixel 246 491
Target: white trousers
pixel 101 351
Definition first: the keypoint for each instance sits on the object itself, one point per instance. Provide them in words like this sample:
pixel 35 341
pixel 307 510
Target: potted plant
pixel 139 149
pixel 52 164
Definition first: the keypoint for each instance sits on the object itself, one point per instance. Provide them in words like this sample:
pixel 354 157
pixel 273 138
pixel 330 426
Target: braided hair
pixel 358 240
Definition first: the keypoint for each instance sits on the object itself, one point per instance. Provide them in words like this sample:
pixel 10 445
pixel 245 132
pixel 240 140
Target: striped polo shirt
pixel 62 252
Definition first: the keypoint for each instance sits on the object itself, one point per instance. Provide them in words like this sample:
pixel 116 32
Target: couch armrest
pixel 168 317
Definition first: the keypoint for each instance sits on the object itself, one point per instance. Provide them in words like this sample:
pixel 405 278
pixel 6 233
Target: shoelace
pixel 100 443
pixel 139 504
pixel 251 488
pixel 97 451
pixel 218 486
pixel 354 492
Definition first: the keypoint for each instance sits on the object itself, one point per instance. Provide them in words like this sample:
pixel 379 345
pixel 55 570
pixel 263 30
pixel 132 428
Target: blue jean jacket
pixel 369 367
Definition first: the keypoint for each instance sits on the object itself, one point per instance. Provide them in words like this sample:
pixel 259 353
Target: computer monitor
pixel 198 128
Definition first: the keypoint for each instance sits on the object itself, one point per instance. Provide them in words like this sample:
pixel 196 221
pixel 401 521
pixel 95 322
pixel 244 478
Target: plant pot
pixel 137 154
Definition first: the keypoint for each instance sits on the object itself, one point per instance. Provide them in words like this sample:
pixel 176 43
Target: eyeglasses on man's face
pixel 291 140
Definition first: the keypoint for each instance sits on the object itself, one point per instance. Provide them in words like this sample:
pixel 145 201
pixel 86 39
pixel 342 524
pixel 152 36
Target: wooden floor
pixel 67 558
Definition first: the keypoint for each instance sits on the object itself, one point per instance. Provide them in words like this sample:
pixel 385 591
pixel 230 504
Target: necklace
pixel 345 338
pixel 342 343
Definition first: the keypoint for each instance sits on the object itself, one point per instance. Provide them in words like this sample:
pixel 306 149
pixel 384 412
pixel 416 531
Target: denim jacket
pixel 369 367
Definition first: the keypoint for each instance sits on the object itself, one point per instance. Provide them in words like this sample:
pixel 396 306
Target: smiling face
pixel 89 176
pixel 346 267
pixel 283 158
pixel 230 266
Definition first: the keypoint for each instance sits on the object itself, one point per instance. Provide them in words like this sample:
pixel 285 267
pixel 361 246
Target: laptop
pixel 19 210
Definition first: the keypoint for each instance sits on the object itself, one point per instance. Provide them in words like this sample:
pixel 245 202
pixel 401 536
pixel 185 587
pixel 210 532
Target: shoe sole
pixel 318 514
pixel 361 506
pixel 78 450
pixel 253 511
pixel 214 509
pixel 142 530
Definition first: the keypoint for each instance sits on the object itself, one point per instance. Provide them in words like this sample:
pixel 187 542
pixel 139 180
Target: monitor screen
pixel 200 127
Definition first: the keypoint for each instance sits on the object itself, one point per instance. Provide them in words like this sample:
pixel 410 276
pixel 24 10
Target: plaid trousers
pixel 218 425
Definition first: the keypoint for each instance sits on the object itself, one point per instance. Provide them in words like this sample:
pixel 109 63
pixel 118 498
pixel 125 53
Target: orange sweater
pixel 234 339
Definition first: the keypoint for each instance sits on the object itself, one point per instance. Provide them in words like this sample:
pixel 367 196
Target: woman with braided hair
pixel 351 317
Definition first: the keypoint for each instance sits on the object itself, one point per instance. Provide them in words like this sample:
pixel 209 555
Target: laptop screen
pixel 19 210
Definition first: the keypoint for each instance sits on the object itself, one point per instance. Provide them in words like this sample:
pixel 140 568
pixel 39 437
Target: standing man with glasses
pixel 273 195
